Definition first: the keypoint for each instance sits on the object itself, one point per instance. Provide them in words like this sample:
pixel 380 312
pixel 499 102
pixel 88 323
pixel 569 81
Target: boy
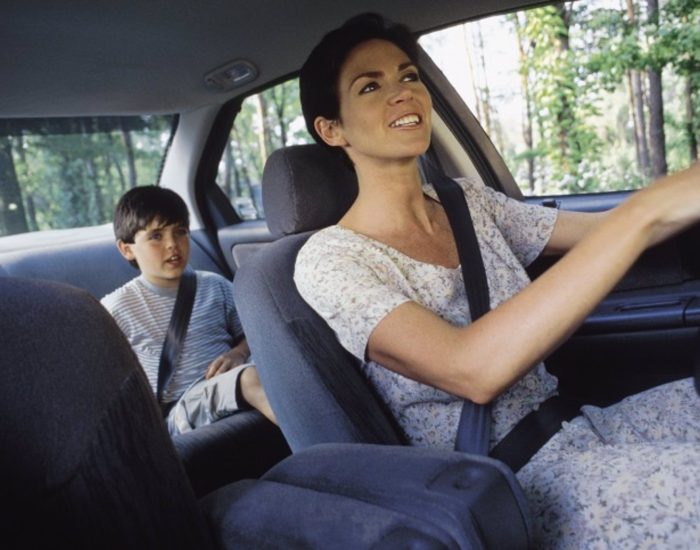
pixel 212 376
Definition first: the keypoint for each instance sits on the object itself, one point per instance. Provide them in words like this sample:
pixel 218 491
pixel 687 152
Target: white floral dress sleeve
pixel 525 227
pixel 347 286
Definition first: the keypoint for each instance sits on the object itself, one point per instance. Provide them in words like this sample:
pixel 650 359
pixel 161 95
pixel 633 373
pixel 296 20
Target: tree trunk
pixel 264 140
pixel 237 183
pixel 467 40
pixel 228 163
pixel 484 88
pixel 131 163
pixel 30 213
pixel 690 119
pixel 657 136
pixel 12 218
pixel 117 165
pixel 93 172
pixel 527 119
pixel 565 113
pixel 637 108
pixel 279 99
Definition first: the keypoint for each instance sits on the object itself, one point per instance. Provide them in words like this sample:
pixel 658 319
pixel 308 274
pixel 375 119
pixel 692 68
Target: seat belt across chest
pixel 474 428
pixel 177 330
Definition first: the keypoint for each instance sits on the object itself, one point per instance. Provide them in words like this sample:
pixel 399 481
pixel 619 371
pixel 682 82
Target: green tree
pixel 12 217
pixel 562 100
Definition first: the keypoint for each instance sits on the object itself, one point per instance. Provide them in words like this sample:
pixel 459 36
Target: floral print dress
pixel 624 476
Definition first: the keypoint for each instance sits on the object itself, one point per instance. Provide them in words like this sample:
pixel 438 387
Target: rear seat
pixel 92 262
pixel 244 445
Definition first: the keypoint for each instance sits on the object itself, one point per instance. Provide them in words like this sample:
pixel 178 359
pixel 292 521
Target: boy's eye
pixel 182 231
pixel 370 87
pixel 156 236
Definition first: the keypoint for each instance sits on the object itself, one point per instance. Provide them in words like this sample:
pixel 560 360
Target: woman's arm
pixel 569 229
pixel 481 360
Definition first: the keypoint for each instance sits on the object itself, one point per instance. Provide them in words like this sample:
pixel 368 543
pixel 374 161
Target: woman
pixel 387 280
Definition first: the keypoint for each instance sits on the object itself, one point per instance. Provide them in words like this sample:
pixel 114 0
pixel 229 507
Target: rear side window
pixel 268 121
pixel 582 97
pixel 58 173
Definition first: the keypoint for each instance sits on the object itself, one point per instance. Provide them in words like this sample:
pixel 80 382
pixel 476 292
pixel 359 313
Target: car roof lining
pixel 102 58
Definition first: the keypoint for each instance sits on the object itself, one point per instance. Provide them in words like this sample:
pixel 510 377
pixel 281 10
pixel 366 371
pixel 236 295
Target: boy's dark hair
pixel 139 206
pixel 318 79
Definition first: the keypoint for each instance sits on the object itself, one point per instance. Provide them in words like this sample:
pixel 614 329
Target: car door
pixel 646 331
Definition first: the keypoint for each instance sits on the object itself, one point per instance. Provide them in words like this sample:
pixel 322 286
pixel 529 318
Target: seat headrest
pixel 306 187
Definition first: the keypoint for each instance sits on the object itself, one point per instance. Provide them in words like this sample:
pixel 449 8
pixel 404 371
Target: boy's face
pixel 162 252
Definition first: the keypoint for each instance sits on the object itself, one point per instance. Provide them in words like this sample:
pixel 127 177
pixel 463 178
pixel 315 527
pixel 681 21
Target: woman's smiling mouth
pixel 406 121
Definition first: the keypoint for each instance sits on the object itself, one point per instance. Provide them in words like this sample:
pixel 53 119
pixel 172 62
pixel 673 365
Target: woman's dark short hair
pixel 318 80
pixel 139 206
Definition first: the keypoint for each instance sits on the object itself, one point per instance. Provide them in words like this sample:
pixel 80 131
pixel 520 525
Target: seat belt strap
pixel 697 365
pixel 473 431
pixel 474 428
pixel 177 329
pixel 534 430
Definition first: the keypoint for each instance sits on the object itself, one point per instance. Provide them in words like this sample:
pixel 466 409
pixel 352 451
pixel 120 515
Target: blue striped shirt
pixel 142 310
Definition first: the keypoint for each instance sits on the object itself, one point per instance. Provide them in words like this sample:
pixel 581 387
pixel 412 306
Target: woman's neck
pixel 390 200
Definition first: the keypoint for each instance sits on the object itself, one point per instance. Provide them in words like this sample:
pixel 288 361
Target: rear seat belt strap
pixel 177 329
pixel 474 429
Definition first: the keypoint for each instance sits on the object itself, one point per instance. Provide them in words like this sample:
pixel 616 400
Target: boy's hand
pixel 225 362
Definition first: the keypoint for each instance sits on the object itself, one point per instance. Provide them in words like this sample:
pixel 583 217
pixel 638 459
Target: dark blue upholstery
pixel 86 460
pixel 89 260
pixel 379 496
pixel 239 446
pixel 320 396
pixel 314 385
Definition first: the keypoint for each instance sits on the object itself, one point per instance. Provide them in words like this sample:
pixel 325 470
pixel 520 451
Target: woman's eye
pixel 411 77
pixel 369 88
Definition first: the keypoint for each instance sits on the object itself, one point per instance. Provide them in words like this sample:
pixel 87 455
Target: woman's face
pixel 385 110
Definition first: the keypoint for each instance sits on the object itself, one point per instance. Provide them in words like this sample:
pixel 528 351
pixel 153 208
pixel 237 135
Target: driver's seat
pixel 314 385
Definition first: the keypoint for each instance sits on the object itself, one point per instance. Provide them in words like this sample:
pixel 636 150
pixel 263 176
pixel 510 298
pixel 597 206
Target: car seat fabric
pixel 378 496
pixel 86 459
pixel 242 446
pixel 306 187
pixel 314 385
pixel 320 396
pixel 466 496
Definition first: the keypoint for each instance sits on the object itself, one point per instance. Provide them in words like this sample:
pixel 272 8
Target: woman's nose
pixel 400 93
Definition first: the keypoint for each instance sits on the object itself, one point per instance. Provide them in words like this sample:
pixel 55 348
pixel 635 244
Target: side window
pixel 58 173
pixel 267 121
pixel 582 97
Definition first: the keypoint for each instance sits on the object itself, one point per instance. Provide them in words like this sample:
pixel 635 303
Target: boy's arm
pixel 237 355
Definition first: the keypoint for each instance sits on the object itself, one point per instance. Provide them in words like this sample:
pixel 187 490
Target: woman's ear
pixel 330 132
